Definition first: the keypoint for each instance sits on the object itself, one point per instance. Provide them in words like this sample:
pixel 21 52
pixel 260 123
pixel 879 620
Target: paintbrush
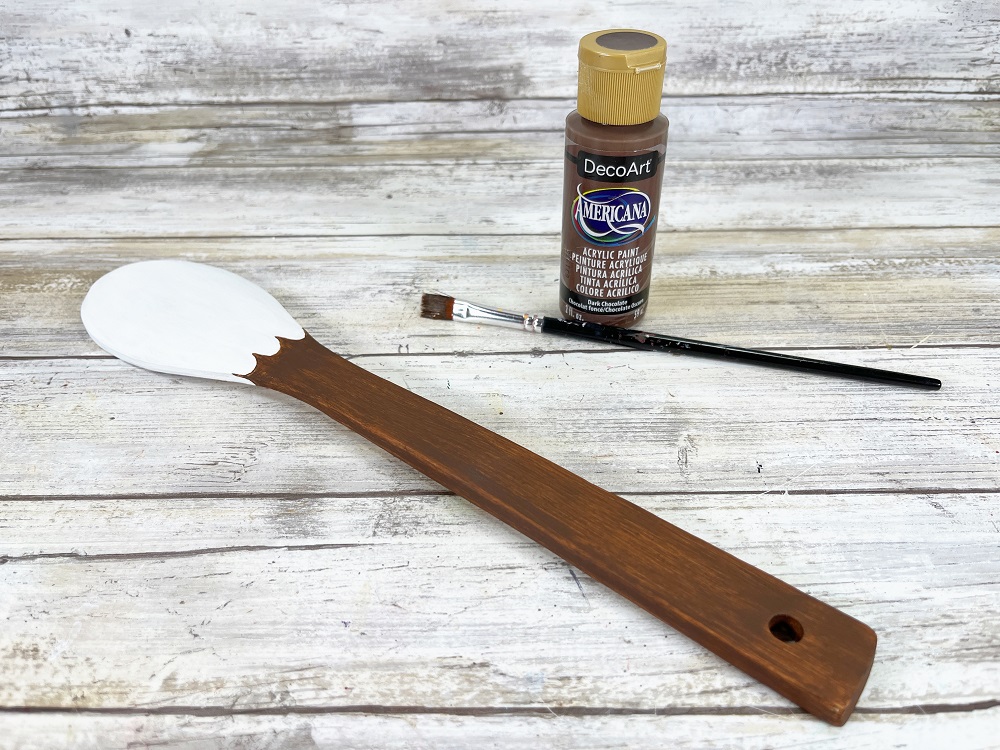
pixel 441 307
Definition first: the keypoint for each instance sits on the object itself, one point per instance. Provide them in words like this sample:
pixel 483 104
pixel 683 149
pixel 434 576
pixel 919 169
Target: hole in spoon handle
pixel 786 628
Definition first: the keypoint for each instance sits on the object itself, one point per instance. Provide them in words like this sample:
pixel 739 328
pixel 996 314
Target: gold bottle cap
pixel 621 76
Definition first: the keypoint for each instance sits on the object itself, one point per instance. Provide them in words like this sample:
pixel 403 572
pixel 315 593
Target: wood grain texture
pixel 217 133
pixel 886 289
pixel 548 727
pixel 808 651
pixel 427 601
pixel 462 198
pixel 687 424
pixel 254 51
pixel 735 163
pixel 283 134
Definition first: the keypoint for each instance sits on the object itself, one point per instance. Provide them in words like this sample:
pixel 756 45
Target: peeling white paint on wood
pixel 456 621
pixel 281 134
pixel 872 289
pixel 344 588
pixel 186 579
pixel 462 197
pixel 254 50
pixel 685 423
pixel 546 726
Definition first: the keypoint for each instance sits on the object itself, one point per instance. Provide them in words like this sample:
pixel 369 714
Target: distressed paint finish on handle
pixel 737 611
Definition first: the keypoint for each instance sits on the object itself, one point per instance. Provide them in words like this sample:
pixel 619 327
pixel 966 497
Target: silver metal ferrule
pixel 471 313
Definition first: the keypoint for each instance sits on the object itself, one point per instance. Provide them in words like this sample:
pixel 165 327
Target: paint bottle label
pixel 609 226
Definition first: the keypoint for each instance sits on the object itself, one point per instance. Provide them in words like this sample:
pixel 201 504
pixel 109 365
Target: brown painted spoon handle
pixel 811 653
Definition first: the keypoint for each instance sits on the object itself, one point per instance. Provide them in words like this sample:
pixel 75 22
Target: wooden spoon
pixel 193 319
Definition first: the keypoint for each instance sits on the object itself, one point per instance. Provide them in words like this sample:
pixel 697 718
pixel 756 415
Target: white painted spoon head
pixel 185 318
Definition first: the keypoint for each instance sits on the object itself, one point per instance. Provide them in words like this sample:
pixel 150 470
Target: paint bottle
pixel 615 143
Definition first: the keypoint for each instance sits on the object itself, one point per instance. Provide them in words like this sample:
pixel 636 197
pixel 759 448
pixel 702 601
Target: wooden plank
pixel 551 728
pixel 192 581
pixel 462 198
pixel 254 51
pixel 425 601
pixel 702 128
pixel 888 289
pixel 628 421
pixel 774 529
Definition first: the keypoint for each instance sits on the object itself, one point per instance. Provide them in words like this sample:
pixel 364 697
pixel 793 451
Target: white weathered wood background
pixel 188 564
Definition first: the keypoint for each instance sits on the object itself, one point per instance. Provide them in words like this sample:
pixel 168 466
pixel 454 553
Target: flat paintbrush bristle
pixel 437 306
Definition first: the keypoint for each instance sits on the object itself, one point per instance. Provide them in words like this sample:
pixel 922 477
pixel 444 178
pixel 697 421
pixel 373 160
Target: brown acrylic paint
pixel 615 144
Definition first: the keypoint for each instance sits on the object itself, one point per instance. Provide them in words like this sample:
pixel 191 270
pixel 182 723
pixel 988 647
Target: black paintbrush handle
pixel 655 342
